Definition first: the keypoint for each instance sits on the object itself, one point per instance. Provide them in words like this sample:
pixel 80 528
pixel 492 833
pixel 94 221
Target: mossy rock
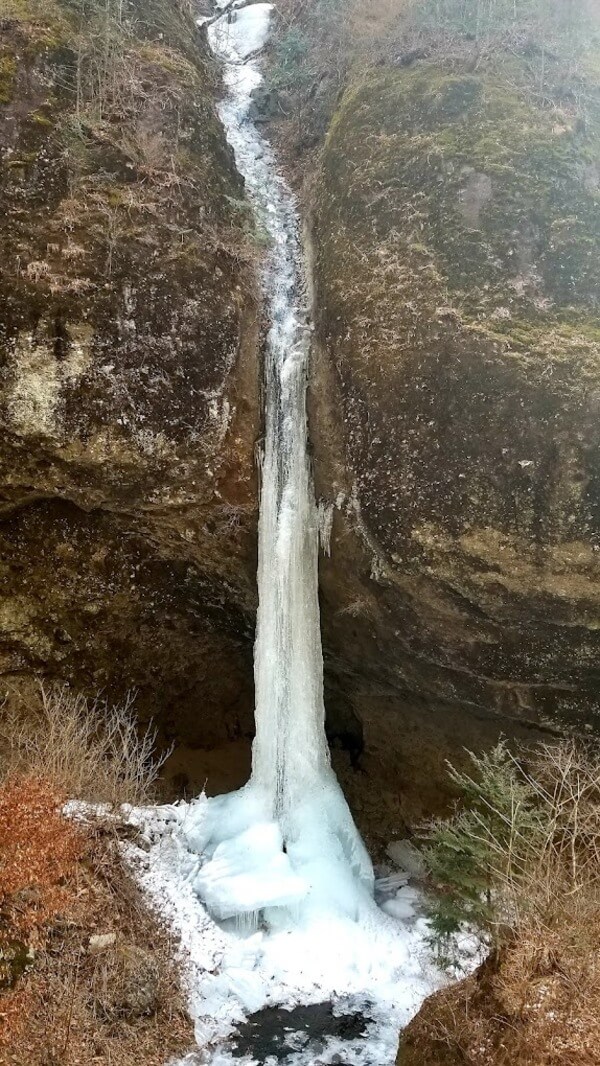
pixel 8 68
pixel 128 370
pixel 16 958
pixel 493 200
pixel 457 240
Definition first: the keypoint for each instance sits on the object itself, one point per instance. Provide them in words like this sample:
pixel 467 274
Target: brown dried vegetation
pixel 65 997
pixel 90 749
pixel 120 1005
pixel 38 851
pixel 536 1000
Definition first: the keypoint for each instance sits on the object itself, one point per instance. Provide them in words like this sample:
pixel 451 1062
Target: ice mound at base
pixel 247 868
pixel 249 873
pixel 379 966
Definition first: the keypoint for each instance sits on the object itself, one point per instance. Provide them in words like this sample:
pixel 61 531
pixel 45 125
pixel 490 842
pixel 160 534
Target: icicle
pixel 325 525
pixel 248 923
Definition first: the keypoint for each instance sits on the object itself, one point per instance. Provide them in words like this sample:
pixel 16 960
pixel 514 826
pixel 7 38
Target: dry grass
pixel 38 851
pixel 88 749
pixel 385 28
pixel 536 1002
pixel 62 1000
pixel 324 45
pixel 122 1006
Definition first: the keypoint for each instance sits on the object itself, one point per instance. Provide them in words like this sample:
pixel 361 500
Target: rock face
pixel 454 404
pixel 455 409
pixel 128 365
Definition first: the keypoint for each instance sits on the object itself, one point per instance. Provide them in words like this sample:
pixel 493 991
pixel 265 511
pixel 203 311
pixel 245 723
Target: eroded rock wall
pixel 128 366
pixel 455 409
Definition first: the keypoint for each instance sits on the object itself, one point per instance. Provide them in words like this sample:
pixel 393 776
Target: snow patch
pixel 241 33
pixel 379 967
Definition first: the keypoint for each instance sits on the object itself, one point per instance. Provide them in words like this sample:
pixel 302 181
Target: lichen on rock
pixel 456 255
pixel 128 370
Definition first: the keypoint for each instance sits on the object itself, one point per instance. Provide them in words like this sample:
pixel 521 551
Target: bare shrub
pixel 545 48
pixel 89 749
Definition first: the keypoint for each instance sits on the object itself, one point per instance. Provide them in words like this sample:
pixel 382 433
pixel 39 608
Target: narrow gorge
pixel 280 862
pixel 299 528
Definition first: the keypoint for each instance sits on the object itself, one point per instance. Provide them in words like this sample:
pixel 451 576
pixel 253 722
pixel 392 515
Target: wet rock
pixel 279 1032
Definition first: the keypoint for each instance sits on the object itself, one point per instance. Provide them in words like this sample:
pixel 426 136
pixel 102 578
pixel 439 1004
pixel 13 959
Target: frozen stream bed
pixel 248 990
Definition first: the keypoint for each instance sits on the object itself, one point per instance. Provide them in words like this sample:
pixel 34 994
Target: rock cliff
pixel 455 406
pixel 454 398
pixel 128 365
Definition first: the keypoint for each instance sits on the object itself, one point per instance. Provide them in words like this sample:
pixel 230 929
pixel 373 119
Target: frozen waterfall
pixel 281 859
pixel 285 843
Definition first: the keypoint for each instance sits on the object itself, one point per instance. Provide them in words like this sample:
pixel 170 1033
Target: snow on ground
pixel 242 33
pixel 378 967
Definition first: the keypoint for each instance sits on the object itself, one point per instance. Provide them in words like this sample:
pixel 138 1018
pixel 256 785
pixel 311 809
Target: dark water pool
pixel 277 1033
